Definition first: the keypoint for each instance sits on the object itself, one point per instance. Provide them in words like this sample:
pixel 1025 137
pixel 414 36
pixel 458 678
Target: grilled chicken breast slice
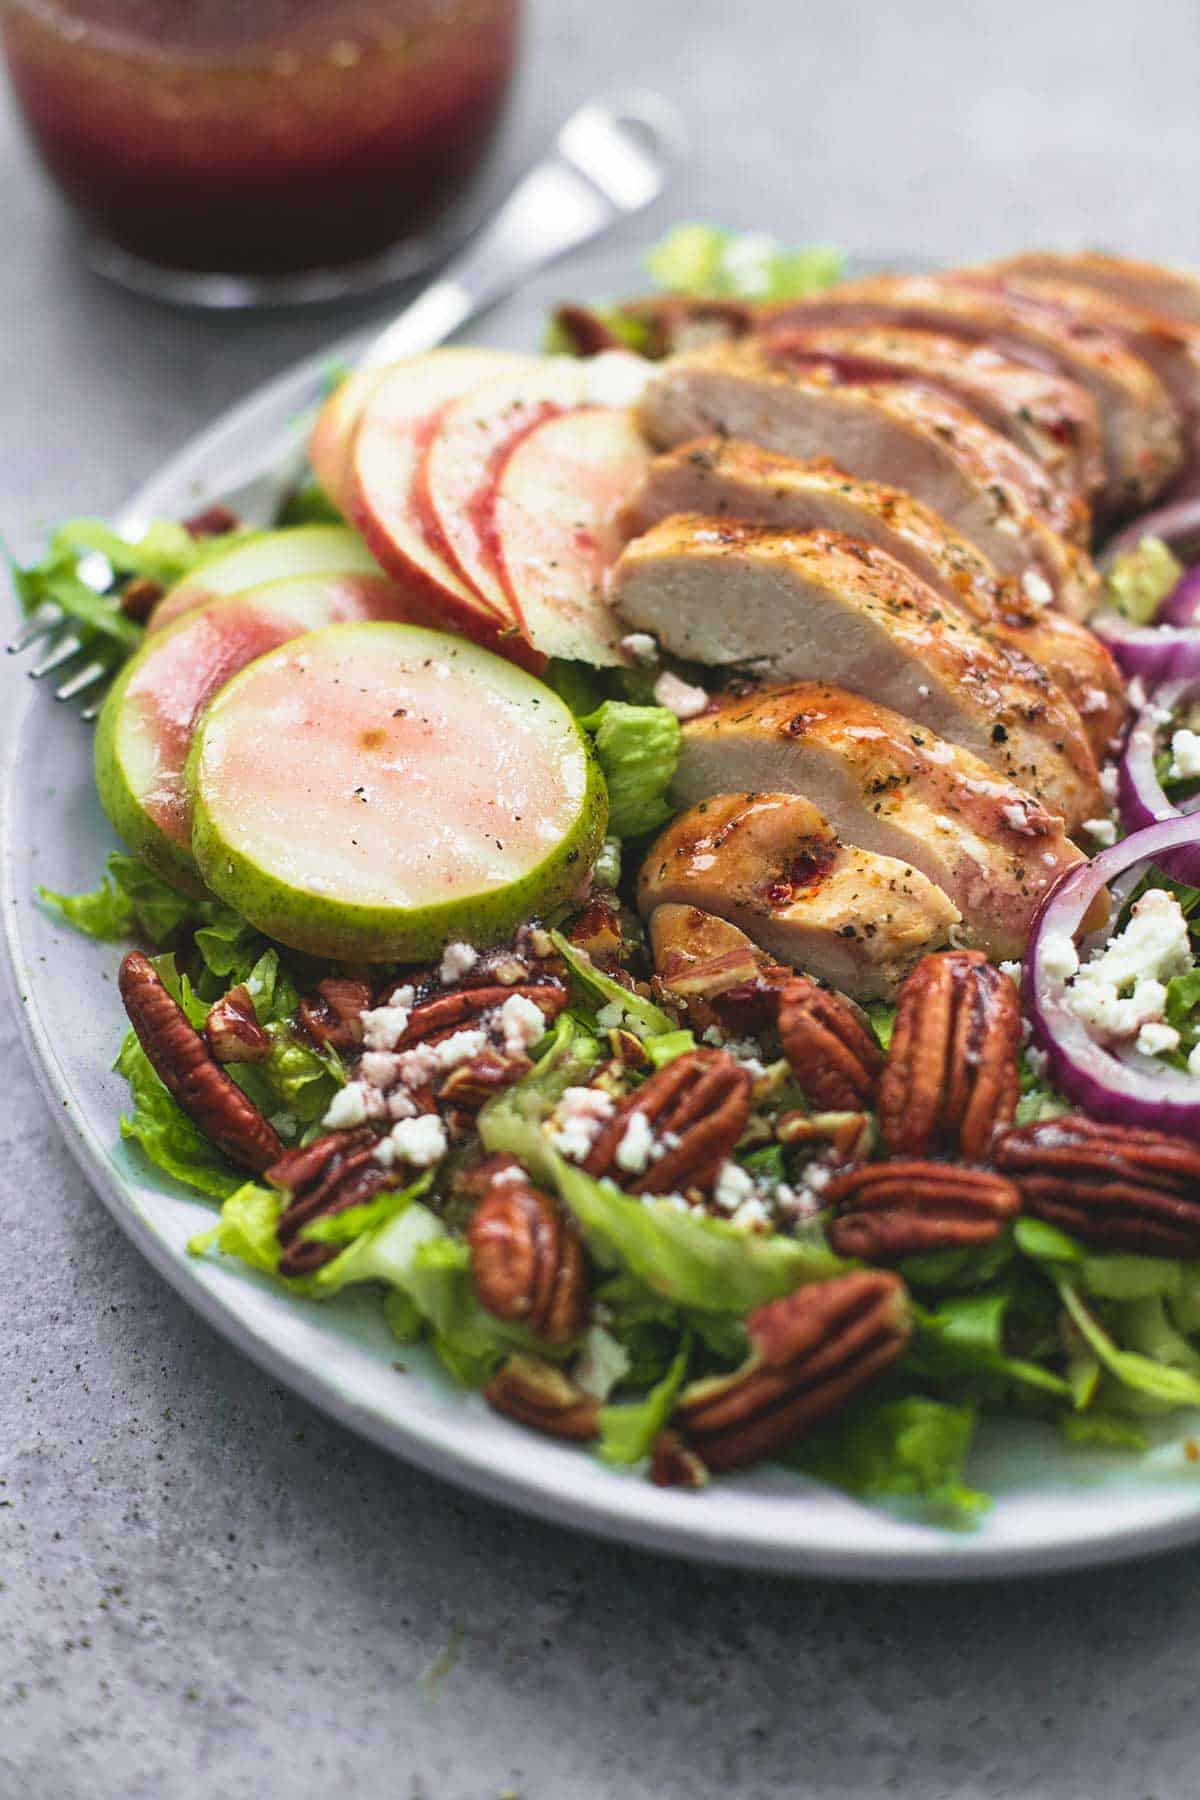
pixel 1139 422
pixel 888 785
pixel 781 604
pixel 1163 290
pixel 771 865
pixel 917 440
pixel 726 478
pixel 1049 417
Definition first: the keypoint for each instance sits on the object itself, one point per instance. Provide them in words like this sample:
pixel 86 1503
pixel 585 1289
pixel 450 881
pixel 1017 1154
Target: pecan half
pixel 832 1055
pixel 233 1031
pixel 183 1063
pixel 542 1397
pixel 597 929
pixel 527 1260
pixel 139 597
pixel 1115 1186
pixel 673 1464
pixel 843 1137
pixel 810 1353
pixel 473 1083
pixel 326 1177
pixel 437 1018
pixel 334 1016
pixel 214 521
pixel 887 1211
pixel 702 1099
pixel 951 1076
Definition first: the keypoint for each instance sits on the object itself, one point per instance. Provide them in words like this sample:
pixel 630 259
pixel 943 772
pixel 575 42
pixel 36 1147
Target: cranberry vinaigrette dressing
pixel 260 138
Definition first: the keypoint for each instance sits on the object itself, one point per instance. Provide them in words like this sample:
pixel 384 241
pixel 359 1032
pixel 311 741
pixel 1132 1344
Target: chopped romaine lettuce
pixel 1155 1381
pixel 165 1132
pixel 595 992
pixel 912 1447
pixel 638 749
pixel 1139 580
pixel 962 1339
pixel 704 261
pixel 130 897
pixel 628 1430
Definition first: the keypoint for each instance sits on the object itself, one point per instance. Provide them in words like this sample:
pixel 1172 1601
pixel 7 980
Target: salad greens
pixel 1138 581
pixel 705 262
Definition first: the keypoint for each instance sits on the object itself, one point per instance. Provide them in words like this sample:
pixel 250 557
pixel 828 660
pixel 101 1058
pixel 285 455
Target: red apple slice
pixel 554 515
pixel 457 482
pixel 400 416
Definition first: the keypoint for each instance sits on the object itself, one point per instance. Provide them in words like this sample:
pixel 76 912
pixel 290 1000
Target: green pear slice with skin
pixel 268 556
pixel 372 792
pixel 146 724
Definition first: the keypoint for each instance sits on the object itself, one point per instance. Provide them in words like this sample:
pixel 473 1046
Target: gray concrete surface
pixel 206 1590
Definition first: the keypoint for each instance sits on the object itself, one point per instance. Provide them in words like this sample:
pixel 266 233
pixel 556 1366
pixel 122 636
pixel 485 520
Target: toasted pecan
pixel 830 1052
pixel 1116 1187
pixel 333 1015
pixel 542 1397
pixel 810 1353
pixel 527 1260
pixel 329 1176
pixel 449 1012
pixel 886 1211
pixel 700 1103
pixel 187 1069
pixel 951 1077
pixel 233 1031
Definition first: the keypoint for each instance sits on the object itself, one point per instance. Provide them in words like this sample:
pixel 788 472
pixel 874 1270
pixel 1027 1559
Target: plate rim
pixel 632 1514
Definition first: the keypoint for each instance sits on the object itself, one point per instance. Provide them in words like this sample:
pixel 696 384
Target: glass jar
pixel 258 140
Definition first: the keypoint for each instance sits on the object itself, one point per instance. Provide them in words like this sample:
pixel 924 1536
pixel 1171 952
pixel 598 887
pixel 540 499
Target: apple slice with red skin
pixel 554 517
pixel 331 441
pixel 402 413
pixel 460 471
pixel 150 714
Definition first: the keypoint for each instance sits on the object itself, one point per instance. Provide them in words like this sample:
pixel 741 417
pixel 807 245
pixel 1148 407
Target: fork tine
pixel 87 677
pixel 61 651
pixel 40 622
pixel 91 711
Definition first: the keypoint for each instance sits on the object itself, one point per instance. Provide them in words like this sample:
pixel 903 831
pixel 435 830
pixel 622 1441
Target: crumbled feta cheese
pixel 1059 958
pixel 1123 988
pixel 460 1047
pixel 1185 756
pixel 641 646
pixel 1016 818
pixel 1103 830
pixel 347 1109
pixel 457 960
pixel 1037 1060
pixel 636 1146
pixel 578 1119
pixel 1110 781
pixel 734 1186
pixel 521 1023
pixel 401 1105
pixel 601 1364
pixel 676 1202
pixel 751 1214
pixel 1091 700
pixel 1155 1039
pixel 420 1141
pixel 384 1026
pixel 380 1068
pixel 1012 970
pixel 714 1035
pixel 679 697
pixel 419 1065
pixel 1036 588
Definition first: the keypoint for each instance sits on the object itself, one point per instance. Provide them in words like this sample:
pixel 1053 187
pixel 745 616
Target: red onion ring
pixel 1152 651
pixel 1182 604
pixel 1103 1084
pixel 1140 795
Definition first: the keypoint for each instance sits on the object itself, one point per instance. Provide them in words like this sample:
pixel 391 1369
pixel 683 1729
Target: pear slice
pixel 372 791
pixel 146 724
pixel 268 556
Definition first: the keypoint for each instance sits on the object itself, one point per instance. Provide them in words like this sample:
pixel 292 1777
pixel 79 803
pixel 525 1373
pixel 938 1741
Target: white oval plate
pixel 1056 1507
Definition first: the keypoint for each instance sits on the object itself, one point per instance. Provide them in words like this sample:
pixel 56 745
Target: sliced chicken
pixel 1163 290
pixel 782 604
pixel 772 865
pixel 726 478
pixel 1170 346
pixel 1138 420
pixel 983 486
pixel 886 785
pixel 1051 418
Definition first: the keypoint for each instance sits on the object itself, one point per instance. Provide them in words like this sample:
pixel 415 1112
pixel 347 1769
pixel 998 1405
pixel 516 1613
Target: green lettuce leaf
pixel 592 990
pixel 1106 1275
pixel 638 749
pixel 246 1229
pixel 705 261
pixel 130 896
pixel 896 1448
pixel 1138 581
pixel 1156 1381
pixel 1101 1431
pixel 628 1430
pixel 964 1337
pixel 166 1134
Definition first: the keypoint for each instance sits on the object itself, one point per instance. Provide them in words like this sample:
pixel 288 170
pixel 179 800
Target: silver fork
pixel 611 158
